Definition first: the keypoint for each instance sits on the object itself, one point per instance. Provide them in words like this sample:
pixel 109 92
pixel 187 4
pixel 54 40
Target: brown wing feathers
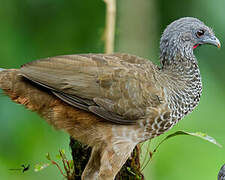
pixel 75 80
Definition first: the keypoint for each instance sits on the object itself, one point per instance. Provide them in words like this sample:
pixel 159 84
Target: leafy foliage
pixel 178 133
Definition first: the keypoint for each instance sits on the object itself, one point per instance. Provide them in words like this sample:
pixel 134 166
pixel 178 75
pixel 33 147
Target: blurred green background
pixel 33 29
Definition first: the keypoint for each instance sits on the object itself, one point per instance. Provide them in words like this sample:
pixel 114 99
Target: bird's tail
pixel 22 92
pixel 36 99
pixel 76 122
pixel 16 87
pixel 19 90
pixel 6 76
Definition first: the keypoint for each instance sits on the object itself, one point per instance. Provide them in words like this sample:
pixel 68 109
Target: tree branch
pixel 110 25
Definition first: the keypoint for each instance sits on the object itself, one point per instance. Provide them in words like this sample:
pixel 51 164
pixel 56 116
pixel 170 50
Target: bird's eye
pixel 200 33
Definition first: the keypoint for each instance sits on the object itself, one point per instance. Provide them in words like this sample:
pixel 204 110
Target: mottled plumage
pixel 113 102
pixel 221 174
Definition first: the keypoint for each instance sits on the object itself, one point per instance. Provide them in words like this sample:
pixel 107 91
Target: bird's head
pixel 182 36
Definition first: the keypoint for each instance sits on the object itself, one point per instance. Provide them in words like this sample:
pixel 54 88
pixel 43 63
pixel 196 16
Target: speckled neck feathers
pixel 184 87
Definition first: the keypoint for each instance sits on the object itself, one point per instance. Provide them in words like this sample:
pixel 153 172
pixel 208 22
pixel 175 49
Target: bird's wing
pixel 116 87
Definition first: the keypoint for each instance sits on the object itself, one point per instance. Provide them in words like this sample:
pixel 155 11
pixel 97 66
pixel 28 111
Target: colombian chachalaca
pixel 112 102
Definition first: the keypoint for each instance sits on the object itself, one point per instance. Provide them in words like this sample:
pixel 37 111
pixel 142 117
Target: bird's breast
pixel 182 101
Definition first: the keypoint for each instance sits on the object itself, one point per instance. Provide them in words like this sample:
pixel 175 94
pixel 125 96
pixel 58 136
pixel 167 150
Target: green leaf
pixel 71 165
pixel 62 154
pixel 41 166
pixel 196 134
pixel 58 156
pixel 205 137
pixel 48 156
pixel 63 151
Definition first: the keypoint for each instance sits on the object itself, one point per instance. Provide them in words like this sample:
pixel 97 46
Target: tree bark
pixel 80 155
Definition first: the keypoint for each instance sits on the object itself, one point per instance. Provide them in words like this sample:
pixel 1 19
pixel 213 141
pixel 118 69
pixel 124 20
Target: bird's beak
pixel 213 40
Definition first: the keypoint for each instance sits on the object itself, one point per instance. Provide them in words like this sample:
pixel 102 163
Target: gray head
pixel 184 35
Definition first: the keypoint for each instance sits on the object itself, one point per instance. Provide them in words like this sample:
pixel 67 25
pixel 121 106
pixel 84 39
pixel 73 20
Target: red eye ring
pixel 200 33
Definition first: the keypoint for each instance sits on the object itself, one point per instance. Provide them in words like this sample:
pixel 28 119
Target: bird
pixel 112 102
pixel 221 174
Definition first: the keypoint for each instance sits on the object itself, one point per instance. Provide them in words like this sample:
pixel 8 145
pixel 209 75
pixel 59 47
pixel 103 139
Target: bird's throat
pixel 184 87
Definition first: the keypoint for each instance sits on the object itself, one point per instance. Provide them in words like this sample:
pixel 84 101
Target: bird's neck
pixel 183 85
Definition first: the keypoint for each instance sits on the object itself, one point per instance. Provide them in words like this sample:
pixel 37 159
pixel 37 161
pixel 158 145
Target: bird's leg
pixel 113 158
pixel 92 168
